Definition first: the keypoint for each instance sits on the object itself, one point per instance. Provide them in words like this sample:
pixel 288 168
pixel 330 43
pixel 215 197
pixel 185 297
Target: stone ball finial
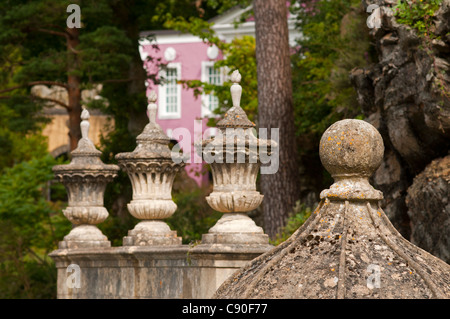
pixel 351 148
pixel 235 76
pixel 85 115
pixel 347 248
pixel 236 89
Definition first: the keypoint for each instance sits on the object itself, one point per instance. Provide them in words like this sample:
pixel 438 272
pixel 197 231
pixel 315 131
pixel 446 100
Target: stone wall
pixel 148 272
pixel 153 263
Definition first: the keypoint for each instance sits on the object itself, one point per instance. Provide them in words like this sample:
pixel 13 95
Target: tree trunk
pixel 73 88
pixel 275 110
pixel 138 118
pixel 135 89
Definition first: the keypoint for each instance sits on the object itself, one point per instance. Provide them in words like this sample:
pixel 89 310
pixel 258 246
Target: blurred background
pixel 396 77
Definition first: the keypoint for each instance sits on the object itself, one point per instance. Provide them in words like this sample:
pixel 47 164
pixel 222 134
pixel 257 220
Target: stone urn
pixel 151 168
pixel 85 179
pixel 234 157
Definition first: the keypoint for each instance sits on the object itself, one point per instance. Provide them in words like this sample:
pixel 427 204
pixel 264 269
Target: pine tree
pixel 275 110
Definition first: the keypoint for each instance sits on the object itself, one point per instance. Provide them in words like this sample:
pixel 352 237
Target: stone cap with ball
pixel 347 248
pixel 351 150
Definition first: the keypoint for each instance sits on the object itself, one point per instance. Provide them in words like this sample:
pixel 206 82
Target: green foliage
pixel 42 53
pixel 30 224
pixel 417 14
pixel 20 123
pixel 335 41
pixel 181 11
pixel 105 53
pixel 298 216
pixel 193 216
pixel 30 227
pixel 18 138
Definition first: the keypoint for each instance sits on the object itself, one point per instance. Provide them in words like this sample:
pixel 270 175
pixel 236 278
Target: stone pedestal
pixel 213 263
pixel 83 236
pixel 233 155
pixel 151 233
pixel 236 228
pixel 85 179
pixel 151 169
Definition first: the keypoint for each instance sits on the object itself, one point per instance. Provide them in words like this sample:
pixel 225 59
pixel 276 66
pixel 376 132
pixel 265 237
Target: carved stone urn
pixel 85 179
pixel 233 155
pixel 151 169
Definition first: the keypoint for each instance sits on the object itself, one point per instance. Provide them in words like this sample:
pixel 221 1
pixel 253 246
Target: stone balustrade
pixel 153 262
pixel 328 257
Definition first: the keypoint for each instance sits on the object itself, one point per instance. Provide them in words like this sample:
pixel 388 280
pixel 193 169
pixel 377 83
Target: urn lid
pixel 235 117
pixel 152 143
pixel 347 248
pixel 236 131
pixel 86 157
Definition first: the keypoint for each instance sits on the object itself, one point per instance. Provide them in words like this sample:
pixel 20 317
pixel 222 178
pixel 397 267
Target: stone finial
pixel 152 107
pixel 85 179
pixel 236 89
pixel 84 125
pixel 235 76
pixel 85 115
pixel 347 248
pixel 235 117
pixel 152 170
pixel 234 181
pixel 351 151
pixel 152 97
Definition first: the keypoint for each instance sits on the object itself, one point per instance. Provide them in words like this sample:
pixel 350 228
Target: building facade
pixel 181 115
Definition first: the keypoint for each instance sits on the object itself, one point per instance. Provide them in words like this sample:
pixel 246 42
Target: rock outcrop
pixel 347 248
pixel 406 96
pixel 428 202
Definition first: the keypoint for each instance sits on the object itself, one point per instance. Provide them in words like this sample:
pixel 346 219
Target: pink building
pixel 187 58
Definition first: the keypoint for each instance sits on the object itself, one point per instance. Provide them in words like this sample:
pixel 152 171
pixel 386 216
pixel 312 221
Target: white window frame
pixel 206 112
pixel 162 112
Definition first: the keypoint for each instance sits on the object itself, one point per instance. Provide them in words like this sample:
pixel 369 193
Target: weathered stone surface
pixel 234 157
pixel 151 168
pixel 85 179
pixel 149 271
pixel 347 248
pixel 428 203
pixel 402 96
pixel 236 228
